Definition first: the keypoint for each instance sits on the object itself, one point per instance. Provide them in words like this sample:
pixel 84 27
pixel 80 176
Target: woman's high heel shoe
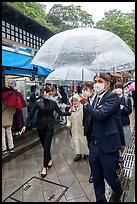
pixel 43 174
pixel 50 165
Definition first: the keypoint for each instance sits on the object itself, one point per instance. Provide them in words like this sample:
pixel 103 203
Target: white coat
pixel 79 141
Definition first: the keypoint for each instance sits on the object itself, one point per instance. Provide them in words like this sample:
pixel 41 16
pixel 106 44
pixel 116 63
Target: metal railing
pixel 126 173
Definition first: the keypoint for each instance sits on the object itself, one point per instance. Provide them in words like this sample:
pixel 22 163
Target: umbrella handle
pixel 4 108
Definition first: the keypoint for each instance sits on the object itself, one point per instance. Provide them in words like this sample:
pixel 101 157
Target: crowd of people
pixel 98 122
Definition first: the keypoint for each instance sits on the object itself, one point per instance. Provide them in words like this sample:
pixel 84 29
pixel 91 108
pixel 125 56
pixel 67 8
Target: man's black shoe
pixel 115 198
pixel 77 158
pixel 91 179
pixel 85 156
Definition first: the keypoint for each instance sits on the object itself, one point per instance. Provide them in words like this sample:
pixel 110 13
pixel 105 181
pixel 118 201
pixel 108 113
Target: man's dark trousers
pixel 104 165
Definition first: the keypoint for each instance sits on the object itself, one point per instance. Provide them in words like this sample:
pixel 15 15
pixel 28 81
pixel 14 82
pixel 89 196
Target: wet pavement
pixel 66 181
pixel 73 175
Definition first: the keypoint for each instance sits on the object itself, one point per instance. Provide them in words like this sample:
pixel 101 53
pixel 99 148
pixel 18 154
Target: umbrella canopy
pixel 113 61
pixel 70 76
pixel 80 47
pixel 13 98
pixel 129 82
pixel 131 87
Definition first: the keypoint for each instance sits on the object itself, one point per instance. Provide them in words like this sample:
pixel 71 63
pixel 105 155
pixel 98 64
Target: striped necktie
pixel 96 102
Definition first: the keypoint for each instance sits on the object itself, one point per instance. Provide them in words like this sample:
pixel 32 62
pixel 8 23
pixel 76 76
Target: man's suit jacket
pixel 86 123
pixel 45 109
pixel 105 123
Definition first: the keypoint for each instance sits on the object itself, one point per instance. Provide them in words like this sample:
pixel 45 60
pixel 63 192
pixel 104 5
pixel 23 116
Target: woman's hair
pixel 89 84
pixel 118 85
pixel 61 88
pixel 48 89
pixel 76 96
pixel 32 88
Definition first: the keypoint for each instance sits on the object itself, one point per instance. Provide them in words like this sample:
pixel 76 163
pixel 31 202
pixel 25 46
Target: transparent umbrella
pixel 80 47
pixel 113 61
pixel 66 76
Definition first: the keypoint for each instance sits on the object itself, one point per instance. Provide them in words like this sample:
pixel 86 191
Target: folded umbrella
pixel 13 98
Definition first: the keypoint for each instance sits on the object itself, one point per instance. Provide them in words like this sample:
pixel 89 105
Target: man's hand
pixel 122 149
pixel 83 99
pixel 72 109
pixel 23 130
pixel 69 126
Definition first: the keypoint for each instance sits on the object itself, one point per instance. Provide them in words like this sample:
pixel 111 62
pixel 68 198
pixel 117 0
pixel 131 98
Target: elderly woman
pixel 75 124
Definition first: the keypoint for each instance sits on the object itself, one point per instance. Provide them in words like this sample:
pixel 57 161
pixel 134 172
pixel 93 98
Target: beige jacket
pixel 7 114
pixel 79 141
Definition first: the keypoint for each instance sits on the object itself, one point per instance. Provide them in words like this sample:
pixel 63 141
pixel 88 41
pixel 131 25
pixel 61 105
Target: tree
pixel 67 17
pixel 131 15
pixel 34 10
pixel 119 24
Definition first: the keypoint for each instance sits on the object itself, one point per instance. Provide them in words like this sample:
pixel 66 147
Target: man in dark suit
pixel 106 138
pixel 32 101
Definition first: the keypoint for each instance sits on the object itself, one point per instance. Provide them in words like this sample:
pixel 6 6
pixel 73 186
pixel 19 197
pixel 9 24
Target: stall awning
pixel 11 59
pixel 43 71
pixel 16 63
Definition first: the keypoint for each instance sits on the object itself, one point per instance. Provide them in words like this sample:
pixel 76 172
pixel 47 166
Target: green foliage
pixel 121 25
pixel 32 9
pixel 131 15
pixel 67 17
pixel 62 18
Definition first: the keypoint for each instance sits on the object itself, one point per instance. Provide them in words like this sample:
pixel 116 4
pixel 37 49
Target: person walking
pixel 125 110
pixel 106 138
pixel 75 124
pixel 7 120
pixel 32 101
pixel 45 108
pixel 88 91
pixel 63 103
